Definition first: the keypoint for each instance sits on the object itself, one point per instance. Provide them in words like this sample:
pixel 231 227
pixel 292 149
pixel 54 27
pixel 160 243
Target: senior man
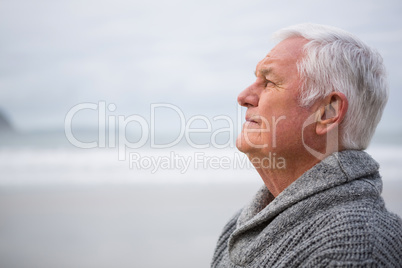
pixel 317 99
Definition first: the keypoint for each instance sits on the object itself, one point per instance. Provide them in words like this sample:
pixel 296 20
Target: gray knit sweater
pixel 332 216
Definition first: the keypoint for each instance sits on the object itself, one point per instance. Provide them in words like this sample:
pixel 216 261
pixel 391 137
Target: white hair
pixel 335 60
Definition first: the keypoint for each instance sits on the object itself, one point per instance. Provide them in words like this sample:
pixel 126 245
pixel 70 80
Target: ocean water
pixel 49 159
pixel 61 206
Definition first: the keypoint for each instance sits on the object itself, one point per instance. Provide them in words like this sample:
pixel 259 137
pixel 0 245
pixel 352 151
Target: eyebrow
pixel 264 71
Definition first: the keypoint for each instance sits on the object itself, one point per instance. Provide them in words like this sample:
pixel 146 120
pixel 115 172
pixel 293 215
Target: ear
pixel 331 112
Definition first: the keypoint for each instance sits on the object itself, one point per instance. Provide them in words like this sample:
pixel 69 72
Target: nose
pixel 248 97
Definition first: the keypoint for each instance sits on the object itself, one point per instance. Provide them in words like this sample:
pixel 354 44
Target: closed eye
pixel 269 83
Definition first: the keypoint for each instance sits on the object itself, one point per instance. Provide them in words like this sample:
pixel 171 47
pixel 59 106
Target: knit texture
pixel 332 216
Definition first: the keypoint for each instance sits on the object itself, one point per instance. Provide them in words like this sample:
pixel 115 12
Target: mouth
pixel 252 120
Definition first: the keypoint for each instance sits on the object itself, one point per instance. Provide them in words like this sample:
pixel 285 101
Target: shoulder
pixel 356 233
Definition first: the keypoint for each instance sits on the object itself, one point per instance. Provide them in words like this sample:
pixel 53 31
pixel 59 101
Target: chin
pixel 239 144
pixel 243 146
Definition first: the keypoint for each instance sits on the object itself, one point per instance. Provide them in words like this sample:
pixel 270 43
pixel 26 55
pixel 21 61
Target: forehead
pixel 285 54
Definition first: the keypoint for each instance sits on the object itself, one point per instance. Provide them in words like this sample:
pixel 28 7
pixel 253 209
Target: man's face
pixel 274 118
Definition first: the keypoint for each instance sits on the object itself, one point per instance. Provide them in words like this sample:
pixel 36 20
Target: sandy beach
pixel 154 225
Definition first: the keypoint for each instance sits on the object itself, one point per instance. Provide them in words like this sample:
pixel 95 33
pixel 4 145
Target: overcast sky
pixel 197 55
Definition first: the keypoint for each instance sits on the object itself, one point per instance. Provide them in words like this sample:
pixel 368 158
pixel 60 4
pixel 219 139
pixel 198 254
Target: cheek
pixel 287 130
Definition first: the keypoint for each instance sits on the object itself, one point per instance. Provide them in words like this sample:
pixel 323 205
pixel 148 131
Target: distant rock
pixel 5 125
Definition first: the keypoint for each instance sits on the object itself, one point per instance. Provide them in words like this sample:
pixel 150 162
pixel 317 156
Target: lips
pixel 253 119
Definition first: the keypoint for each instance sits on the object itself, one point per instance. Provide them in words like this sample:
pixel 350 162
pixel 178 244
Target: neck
pixel 279 172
